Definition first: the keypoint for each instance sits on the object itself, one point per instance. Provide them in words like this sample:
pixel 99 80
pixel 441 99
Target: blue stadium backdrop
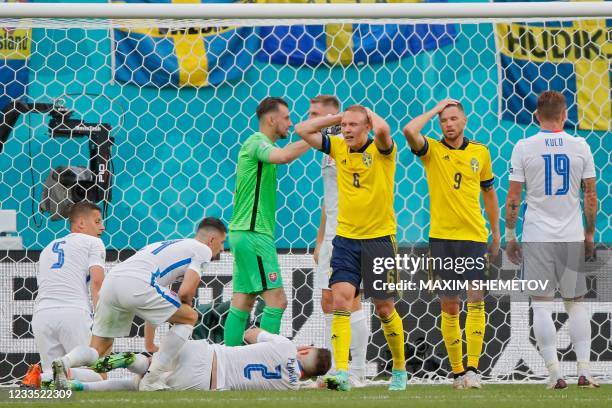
pixel 174 141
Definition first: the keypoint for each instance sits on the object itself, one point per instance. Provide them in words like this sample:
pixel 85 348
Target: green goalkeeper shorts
pixel 255 262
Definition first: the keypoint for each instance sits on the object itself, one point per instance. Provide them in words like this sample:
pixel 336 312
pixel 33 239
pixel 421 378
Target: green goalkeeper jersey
pixel 255 197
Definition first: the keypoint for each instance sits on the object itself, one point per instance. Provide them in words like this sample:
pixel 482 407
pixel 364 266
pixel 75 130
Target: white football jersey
pixel 63 271
pixel 166 262
pixel 552 166
pixel 330 196
pixel 270 364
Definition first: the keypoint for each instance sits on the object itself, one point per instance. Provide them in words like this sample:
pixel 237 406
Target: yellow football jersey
pixel 366 182
pixel 455 178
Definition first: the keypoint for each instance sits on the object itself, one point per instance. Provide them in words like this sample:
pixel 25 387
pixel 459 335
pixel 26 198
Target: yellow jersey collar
pixel 462 147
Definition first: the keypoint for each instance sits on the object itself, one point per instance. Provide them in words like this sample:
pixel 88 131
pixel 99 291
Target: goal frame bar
pixel 241 11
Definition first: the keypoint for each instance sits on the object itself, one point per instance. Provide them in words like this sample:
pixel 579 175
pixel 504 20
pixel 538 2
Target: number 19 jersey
pixel 552 166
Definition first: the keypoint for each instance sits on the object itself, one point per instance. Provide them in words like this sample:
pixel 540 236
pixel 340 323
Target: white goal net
pixel 146 117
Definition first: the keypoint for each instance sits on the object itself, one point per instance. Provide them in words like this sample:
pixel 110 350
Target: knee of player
pixel 280 304
pixel 384 309
pixel 187 315
pixel 342 303
pixel 193 317
pixel 450 305
pixel 279 300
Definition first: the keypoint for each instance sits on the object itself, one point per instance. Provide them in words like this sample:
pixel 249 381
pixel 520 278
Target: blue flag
pixel 351 43
pixel 572 57
pixel 186 56
pixel 14 53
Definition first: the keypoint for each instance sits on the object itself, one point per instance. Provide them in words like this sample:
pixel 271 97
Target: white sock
pixel 46 375
pixel 579 325
pixel 546 336
pixel 140 365
pixel 80 356
pixel 328 317
pixel 112 385
pixel 85 375
pixel 169 348
pixel 359 344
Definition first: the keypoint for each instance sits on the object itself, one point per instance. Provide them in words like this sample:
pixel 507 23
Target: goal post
pixel 150 103
pixel 317 11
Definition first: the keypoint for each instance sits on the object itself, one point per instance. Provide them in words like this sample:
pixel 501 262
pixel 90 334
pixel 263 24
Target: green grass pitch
pixel 490 396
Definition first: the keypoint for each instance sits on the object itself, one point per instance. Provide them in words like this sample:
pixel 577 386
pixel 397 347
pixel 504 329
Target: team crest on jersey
pixel 273 276
pixel 366 158
pixel 474 165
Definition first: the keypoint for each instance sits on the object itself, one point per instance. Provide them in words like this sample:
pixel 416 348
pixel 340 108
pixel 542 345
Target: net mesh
pixel 175 125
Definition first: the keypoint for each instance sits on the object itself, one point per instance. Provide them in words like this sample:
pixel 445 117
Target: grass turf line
pixel 490 396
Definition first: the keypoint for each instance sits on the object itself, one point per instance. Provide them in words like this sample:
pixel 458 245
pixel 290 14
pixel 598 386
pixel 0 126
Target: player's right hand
pixel 589 247
pixel 315 255
pixel 444 103
pixel 151 348
pixel 514 252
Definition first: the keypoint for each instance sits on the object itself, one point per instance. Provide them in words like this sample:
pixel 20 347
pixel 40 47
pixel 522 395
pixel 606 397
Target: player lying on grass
pixel 268 362
pixel 141 286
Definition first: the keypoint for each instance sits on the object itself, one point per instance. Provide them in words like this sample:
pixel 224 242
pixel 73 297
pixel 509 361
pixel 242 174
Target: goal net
pixel 145 115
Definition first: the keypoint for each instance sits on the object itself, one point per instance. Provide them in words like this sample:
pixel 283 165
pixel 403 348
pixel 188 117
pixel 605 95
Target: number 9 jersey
pixel 455 178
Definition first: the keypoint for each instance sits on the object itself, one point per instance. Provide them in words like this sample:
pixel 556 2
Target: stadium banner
pixel 347 44
pixel 15 44
pixel 573 57
pixel 185 56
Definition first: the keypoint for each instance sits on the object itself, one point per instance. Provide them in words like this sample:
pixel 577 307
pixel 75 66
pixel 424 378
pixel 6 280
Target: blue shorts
pixel 459 260
pixel 352 261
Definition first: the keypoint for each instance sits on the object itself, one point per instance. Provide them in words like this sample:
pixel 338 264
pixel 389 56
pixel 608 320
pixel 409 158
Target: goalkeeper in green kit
pixel 251 235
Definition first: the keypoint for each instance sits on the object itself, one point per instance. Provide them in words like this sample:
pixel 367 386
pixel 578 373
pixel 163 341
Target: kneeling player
pixel 458 170
pixel 269 362
pixel 62 314
pixel 140 286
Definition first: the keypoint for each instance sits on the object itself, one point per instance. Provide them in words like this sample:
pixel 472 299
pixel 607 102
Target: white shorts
pixel 59 330
pixel 561 264
pixel 323 269
pixel 192 367
pixel 122 298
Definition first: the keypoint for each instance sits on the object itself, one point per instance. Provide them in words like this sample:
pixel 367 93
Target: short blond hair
pixel 327 100
pixel 361 109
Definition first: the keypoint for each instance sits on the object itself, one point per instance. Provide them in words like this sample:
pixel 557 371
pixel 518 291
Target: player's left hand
pixel 513 250
pixel 494 248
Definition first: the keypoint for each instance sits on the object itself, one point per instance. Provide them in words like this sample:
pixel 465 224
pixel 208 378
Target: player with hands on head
pixel 458 172
pixel 366 230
